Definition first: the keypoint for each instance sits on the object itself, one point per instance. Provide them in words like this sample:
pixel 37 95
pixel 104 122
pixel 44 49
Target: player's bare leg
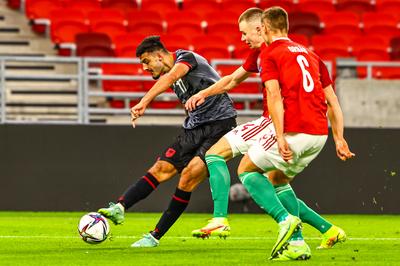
pixel 161 171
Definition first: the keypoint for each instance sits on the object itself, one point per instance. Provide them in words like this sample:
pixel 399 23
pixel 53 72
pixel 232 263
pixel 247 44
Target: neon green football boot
pixel 286 229
pixel 331 237
pixel 147 241
pixel 115 213
pixel 218 226
pixel 294 252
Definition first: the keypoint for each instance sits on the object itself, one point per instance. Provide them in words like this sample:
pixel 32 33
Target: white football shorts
pixel 242 137
pixel 305 147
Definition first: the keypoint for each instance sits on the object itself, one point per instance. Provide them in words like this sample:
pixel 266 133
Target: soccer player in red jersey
pixel 297 103
pixel 238 141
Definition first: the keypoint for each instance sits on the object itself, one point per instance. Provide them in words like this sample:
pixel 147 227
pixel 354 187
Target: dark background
pixel 81 168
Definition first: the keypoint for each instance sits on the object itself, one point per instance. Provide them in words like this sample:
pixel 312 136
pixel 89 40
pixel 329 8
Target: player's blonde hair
pixel 253 13
pixel 276 18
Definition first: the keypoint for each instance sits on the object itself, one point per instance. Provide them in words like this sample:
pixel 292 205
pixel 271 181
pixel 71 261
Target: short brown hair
pixel 250 14
pixel 277 18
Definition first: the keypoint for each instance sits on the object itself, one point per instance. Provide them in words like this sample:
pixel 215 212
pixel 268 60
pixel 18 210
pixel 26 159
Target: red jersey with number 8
pixel 297 70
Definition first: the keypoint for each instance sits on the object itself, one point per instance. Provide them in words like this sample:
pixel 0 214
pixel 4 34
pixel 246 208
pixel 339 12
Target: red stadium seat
pixel 229 30
pixel 212 50
pixel 236 7
pixel 146 27
pixel 189 29
pixel 176 17
pixel 316 6
pixel 248 87
pixel 65 31
pixel 330 47
pixel 357 6
pixel 41 8
pixel 201 7
pixel 286 4
pixel 93 44
pixel 388 6
pixel 14 4
pixel 224 70
pixel 122 5
pixel 159 5
pixel 122 85
pixel 109 21
pixel 221 17
pixel 125 45
pixel 384 24
pixel 174 42
pixel 395 47
pixel 85 6
pixel 304 23
pixel 345 23
pixel 300 38
pixel 386 72
pixel 134 16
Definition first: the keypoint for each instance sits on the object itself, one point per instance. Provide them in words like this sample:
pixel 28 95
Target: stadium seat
pixel 125 44
pixel 122 5
pixel 65 31
pixel 174 42
pixel 189 28
pixel 93 44
pixel 384 24
pixel 315 6
pixel 304 23
pixel 134 16
pixel 146 27
pixel 300 38
pixel 388 6
pixel 330 47
pixel 386 72
pixel 345 23
pixel 221 17
pixel 109 21
pixel 14 4
pixel 40 9
pixel 201 7
pixel 395 48
pixel 286 4
pixel 356 6
pixel 159 5
pixel 122 85
pixel 229 30
pixel 211 46
pixel 236 7
pixel 85 6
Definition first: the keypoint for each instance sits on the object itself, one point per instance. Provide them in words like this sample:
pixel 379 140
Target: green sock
pixel 262 191
pixel 220 181
pixel 312 218
pixel 288 199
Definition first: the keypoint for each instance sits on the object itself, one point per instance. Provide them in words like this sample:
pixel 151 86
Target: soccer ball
pixel 93 228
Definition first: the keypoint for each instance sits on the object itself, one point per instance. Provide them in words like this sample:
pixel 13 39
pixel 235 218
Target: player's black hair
pixel 150 44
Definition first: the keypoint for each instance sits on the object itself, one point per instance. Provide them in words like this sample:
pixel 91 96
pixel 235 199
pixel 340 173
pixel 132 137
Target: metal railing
pixel 85 77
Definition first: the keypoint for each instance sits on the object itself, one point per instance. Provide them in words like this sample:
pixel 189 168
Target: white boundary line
pixel 183 237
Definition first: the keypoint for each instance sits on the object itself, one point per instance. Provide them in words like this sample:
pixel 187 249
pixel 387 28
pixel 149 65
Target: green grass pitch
pixel 49 238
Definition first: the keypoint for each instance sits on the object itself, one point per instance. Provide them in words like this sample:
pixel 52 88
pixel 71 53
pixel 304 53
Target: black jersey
pixel 200 76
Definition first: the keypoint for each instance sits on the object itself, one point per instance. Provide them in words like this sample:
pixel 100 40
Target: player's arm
pixel 276 111
pixel 221 86
pixel 178 71
pixel 335 116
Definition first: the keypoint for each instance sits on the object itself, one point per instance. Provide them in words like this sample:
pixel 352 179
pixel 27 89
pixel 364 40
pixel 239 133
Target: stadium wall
pixel 81 168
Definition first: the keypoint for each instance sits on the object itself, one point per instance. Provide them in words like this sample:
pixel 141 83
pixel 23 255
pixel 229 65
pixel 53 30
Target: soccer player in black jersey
pixel 187 73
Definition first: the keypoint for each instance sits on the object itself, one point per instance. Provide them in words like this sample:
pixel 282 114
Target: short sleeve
pixel 325 77
pixel 250 64
pixel 188 59
pixel 269 69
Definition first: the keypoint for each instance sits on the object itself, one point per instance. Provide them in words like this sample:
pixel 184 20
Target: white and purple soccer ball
pixel 93 228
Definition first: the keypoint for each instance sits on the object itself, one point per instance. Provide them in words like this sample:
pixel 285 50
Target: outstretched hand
pixel 343 151
pixel 136 112
pixel 194 101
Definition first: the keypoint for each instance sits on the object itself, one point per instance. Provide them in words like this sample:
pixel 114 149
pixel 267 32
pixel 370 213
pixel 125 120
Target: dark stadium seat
pixel 189 28
pixel 14 4
pixel 357 6
pixel 300 38
pixel 315 6
pixel 395 48
pixel 384 24
pixel 345 23
pixel 304 23
pixel 109 21
pixel 122 5
pixel 125 44
pixel 159 5
pixel 93 44
pixel 288 5
pixel 201 7
pixel 174 42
